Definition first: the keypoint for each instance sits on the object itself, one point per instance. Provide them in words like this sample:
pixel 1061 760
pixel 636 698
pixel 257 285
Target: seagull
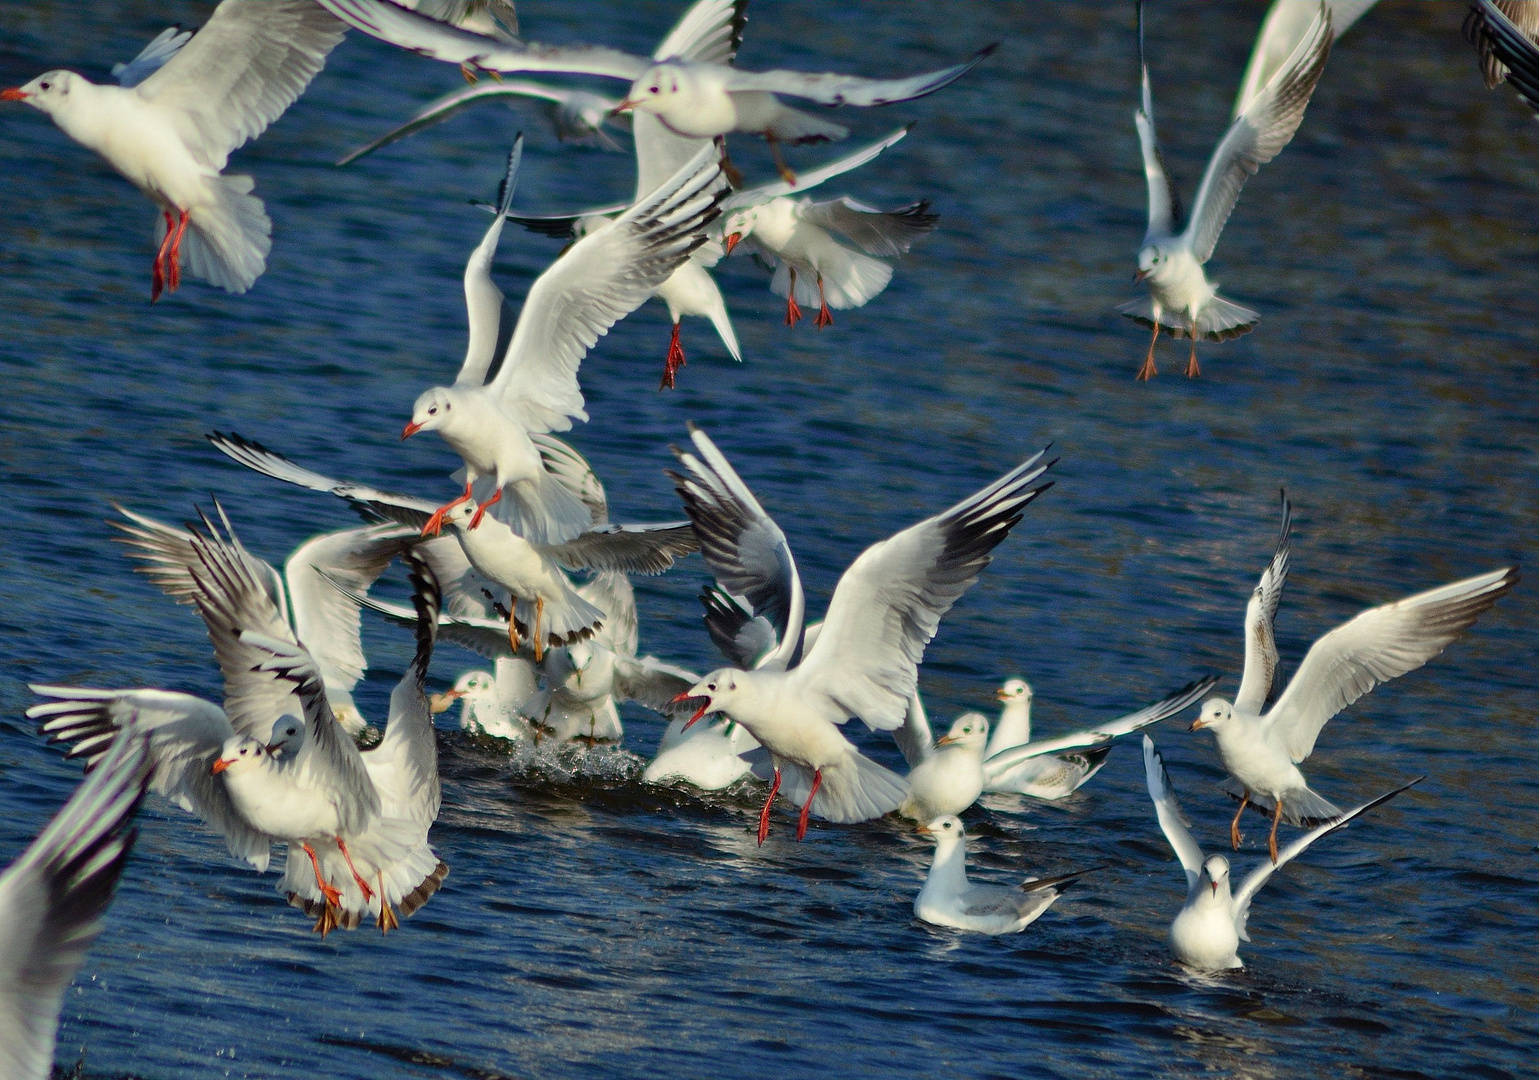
pixel 1181 299
pixel 949 899
pixel 52 899
pixel 183 106
pixel 317 613
pixel 548 609
pixel 489 419
pixel 1016 765
pixel 948 779
pixel 1262 751
pixel 1207 932
pixel 797 237
pixel 698 99
pixel 1285 24
pixel 865 661
pixel 1505 32
pixel 489 702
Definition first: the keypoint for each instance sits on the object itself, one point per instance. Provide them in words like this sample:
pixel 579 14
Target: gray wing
pixel 440 41
pixel 1286 22
pixel 238 74
pixel 1504 33
pixel 1257 135
pixel 834 89
pixel 375 504
pixel 483 635
pixel 743 637
pixel 711 32
pixel 1380 644
pixel 653 683
pixel 572 470
pixel 152 57
pixel 464 590
pixel 890 601
pixel 612 594
pixel 811 178
pixel 486 310
pixel 409 744
pixel 876 232
pixel 52 900
pixel 915 738
pixel 495 18
pixel 1260 616
pixel 1258 877
pixel 627 549
pixel 1173 820
pixel 186 735
pixel 1164 206
pixel 745 549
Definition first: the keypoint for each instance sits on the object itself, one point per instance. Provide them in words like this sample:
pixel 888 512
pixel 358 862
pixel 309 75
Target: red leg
pixel 435 524
pixel 174 259
pixel 333 897
pixel 1192 370
pixel 825 317
pixel 1147 372
pixel 368 893
pixel 481 508
pixel 1272 840
pixel 158 271
pixel 801 822
pixel 793 312
pixel 675 359
pixel 769 802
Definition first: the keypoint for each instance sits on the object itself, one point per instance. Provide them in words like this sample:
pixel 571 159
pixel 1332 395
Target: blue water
pixel 592 927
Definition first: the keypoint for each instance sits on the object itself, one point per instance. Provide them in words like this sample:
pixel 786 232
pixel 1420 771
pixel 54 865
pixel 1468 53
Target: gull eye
pixel 650 89
pixel 433 411
pixel 710 686
pixel 44 86
pixel 947 825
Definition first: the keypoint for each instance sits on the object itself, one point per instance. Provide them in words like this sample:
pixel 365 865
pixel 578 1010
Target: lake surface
pixel 595 927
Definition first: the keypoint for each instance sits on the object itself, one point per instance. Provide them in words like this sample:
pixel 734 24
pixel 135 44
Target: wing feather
pixel 835 89
pixel 1173 820
pixel 1260 618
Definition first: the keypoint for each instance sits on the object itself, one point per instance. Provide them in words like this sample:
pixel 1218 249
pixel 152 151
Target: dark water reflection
pixel 592 927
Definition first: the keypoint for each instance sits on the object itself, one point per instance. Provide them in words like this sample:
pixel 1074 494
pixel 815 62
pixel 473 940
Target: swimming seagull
pixel 1181 299
pixel 1262 751
pixel 864 662
pixel 949 899
pixel 52 899
pixel 698 99
pixel 484 708
pixel 1505 33
pixel 184 105
pixel 1207 932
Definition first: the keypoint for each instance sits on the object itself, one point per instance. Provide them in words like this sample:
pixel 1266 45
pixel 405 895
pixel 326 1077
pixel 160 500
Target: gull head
pixel 460 516
pixel 433 410
pixel 50 91
pixel 286 738
pixel 239 753
pixel 711 694
pixel 1014 690
pixel 1215 713
pixel 971 732
pixel 1150 259
pixel 472 686
pixel 946 829
pixel 738 224
pixel 662 87
pixel 1215 872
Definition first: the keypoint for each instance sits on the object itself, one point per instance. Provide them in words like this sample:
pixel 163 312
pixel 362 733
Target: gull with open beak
pixel 1207 932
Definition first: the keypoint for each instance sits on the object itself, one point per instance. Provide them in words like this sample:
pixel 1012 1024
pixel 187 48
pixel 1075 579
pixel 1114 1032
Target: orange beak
pixel 624 106
pixel 1197 725
pixel 440 702
pixel 732 241
pixel 944 740
pixel 13 93
pixel 410 429
pixel 221 765
pixel 923 830
pixel 1001 695
pixel 1139 275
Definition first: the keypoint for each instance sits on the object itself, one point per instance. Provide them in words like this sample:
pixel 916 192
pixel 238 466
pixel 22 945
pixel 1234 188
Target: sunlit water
pixel 592 926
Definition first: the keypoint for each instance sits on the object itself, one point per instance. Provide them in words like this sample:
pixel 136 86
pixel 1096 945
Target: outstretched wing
pixel 812 177
pixel 485 308
pixel 371 502
pixel 1260 617
pixel 745 549
pixel 604 277
pixel 51 902
pixel 1173 822
pixel 1380 644
pixel 835 89
pixel 890 601
pixel 152 57
pixel 883 233
pixel 1258 134
pixel 915 738
pixel 1258 877
pixel 238 74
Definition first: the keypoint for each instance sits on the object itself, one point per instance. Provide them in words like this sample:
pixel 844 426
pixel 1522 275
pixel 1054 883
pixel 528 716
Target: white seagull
pixel 489 417
pixel 1181 299
pixel 949 899
pixel 698 99
pixel 52 899
pixel 185 104
pixel 949 777
pixel 886 608
pixel 1207 932
pixel 1262 751
pixel 489 703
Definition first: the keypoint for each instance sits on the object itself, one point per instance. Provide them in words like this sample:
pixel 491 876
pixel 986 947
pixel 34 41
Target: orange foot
pixel 481 508
pixel 329 891
pixel 435 524
pixel 825 317
pixel 363 886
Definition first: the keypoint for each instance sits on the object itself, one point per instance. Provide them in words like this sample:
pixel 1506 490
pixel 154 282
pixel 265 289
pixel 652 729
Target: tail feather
pixel 850 279
pixel 1301 807
pixel 565 621
pixel 857 789
pixel 1219 320
pixel 228 239
pixel 544 512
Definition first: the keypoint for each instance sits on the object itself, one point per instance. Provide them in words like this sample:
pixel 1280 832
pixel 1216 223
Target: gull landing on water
pixel 1262 751
pixel 950 899
pixel 1207 933
pixel 1181 299
pixel 184 104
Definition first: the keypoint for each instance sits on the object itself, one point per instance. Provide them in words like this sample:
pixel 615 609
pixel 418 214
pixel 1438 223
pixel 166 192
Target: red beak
pixel 1139 275
pixel 1215 887
pixel 685 695
pixel 622 107
pixel 410 429
pixel 732 241
pixel 13 93
pixel 221 765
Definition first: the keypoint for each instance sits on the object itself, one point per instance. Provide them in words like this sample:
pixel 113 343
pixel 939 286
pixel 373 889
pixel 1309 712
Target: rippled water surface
pixel 592 926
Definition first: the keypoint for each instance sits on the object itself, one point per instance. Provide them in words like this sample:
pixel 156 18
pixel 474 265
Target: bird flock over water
pixel 517 558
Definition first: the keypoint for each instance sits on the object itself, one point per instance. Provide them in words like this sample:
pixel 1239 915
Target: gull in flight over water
pixel 1262 750
pixel 181 108
pixel 1170 263
pixel 1207 932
